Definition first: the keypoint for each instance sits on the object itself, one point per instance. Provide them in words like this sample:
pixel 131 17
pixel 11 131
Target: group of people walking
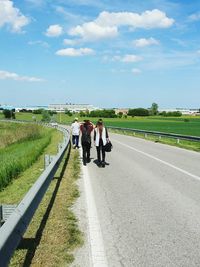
pixel 85 130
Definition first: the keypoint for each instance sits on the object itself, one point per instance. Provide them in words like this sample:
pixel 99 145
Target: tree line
pixel 105 113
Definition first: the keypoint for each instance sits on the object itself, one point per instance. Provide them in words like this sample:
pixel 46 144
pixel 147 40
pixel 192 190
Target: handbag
pixel 108 146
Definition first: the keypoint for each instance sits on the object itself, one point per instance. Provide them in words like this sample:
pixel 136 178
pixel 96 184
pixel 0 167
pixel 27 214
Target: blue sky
pixel 108 53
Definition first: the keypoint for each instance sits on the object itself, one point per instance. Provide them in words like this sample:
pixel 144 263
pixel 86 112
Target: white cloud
pixel 5 75
pixel 72 52
pixel 145 42
pixel 91 31
pixel 70 42
pixel 42 43
pixel 10 15
pixel 195 17
pixel 148 19
pixel 127 58
pixel 54 31
pixel 106 25
pixel 136 71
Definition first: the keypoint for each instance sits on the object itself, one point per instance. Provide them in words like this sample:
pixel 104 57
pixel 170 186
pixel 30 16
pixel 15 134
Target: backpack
pixel 86 137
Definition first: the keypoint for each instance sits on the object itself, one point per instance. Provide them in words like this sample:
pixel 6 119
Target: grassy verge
pixel 53 232
pixel 16 132
pixel 14 192
pixel 17 157
pixel 195 146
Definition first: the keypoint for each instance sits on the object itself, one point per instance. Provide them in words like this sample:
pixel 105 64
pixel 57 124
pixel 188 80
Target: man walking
pixel 75 133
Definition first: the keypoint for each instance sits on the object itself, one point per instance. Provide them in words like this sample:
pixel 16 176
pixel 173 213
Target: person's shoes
pixel 88 160
pixel 99 164
pixel 84 163
pixel 103 164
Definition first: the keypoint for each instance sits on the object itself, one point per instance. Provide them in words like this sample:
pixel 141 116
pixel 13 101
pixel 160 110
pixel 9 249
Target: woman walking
pixel 100 140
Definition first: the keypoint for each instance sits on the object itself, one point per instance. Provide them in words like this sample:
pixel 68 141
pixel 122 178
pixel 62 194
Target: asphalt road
pixel 147 203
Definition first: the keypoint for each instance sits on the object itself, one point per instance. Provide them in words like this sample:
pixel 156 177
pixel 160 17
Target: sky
pixel 119 53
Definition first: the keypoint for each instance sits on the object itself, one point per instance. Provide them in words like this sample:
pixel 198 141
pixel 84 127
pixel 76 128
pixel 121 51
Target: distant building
pixel 71 107
pixel 184 111
pixel 124 111
pixel 30 108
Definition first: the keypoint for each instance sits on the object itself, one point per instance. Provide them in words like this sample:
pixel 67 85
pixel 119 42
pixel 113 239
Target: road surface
pixel 144 207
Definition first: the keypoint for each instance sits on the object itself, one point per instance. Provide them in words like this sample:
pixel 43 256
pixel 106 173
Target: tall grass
pixel 14 132
pixel 17 157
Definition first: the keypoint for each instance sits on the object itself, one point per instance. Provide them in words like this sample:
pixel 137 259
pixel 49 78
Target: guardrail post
pixel 159 137
pixel 46 161
pixel 177 140
pixel 60 145
pixel 145 135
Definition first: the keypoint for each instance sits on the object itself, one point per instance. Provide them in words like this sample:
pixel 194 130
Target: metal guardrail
pixel 159 134
pixel 15 226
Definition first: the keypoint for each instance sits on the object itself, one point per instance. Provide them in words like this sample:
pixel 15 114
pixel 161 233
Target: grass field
pixel 53 232
pixel 156 123
pixel 20 147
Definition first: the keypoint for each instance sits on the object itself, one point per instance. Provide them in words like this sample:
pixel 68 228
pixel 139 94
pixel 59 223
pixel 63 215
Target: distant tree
pixel 52 112
pixel 138 112
pixel 38 111
pixel 120 114
pixel 9 114
pixel 68 112
pixel 171 114
pixel 154 109
pixel 46 117
pixel 105 113
pixel 82 114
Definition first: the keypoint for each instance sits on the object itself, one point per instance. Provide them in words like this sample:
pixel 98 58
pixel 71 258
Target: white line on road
pixel 161 161
pixel 95 235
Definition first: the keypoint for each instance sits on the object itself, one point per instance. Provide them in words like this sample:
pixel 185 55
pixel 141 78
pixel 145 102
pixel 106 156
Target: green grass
pixel 27 144
pixel 156 123
pixel 14 132
pixel 14 192
pixel 53 232
pixel 164 140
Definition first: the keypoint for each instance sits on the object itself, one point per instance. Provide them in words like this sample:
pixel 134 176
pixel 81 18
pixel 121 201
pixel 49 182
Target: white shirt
pixel 75 128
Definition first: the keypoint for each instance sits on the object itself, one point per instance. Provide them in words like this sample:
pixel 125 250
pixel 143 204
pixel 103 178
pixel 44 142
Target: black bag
pixel 108 147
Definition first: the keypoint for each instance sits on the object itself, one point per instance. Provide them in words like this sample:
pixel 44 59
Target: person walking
pixel 75 127
pixel 86 130
pixel 100 140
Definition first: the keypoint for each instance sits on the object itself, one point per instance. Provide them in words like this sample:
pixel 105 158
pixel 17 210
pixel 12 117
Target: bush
pixel 171 114
pixel 9 114
pixel 138 112
pixel 46 117
pixel 105 113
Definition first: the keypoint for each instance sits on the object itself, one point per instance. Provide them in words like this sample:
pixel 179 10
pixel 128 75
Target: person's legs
pixel 73 140
pixel 98 154
pixel 88 151
pixel 76 140
pixel 84 154
pixel 103 155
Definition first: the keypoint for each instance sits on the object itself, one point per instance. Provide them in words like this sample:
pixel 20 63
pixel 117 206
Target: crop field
pixel 188 125
pixel 20 146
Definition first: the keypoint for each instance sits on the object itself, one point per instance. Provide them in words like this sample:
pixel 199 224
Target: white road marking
pixel 161 161
pixel 95 235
